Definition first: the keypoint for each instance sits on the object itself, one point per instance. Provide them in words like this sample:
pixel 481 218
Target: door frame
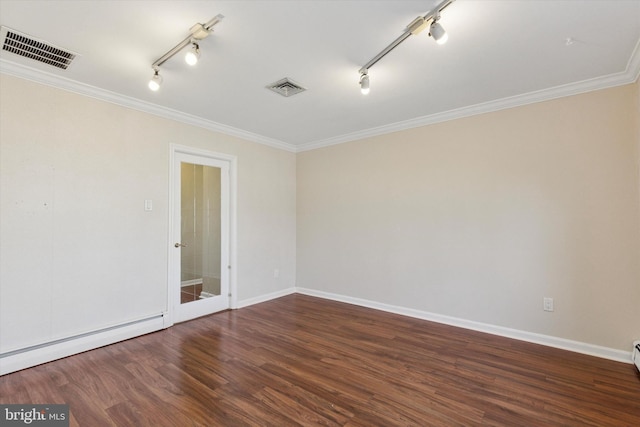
pixel 173 274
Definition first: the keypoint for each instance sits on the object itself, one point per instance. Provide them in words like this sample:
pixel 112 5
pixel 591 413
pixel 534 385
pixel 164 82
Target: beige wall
pixel 77 250
pixel 480 218
pixel 637 116
pixel 477 218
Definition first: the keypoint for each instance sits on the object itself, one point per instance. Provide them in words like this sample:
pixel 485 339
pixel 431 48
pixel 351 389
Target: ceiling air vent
pixel 38 50
pixel 286 87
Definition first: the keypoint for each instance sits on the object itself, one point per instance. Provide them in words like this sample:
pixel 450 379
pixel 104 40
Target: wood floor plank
pixel 299 360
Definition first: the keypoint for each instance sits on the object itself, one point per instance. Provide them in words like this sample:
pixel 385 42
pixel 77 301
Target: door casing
pixel 209 158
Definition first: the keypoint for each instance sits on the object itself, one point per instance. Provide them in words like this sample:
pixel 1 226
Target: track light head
pixel 416 26
pixel 193 55
pixel 156 81
pixel 198 32
pixel 364 83
pixel 438 33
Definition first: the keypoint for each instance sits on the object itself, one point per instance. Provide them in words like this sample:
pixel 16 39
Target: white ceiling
pixel 500 53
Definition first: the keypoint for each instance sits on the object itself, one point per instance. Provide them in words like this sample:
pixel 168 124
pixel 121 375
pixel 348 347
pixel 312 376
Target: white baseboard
pixel 564 344
pixel 17 360
pixel 266 297
pixel 191 282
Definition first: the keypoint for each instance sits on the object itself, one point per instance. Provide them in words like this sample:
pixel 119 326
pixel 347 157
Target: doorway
pixel 200 243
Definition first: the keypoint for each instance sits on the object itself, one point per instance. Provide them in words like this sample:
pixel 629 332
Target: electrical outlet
pixel 547 304
pixel 276 273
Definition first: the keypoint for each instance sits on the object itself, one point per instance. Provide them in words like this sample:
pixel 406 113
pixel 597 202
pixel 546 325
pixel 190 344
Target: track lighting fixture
pixel 415 27
pixel 437 32
pixel 364 83
pixel 192 55
pixel 156 81
pixel 197 33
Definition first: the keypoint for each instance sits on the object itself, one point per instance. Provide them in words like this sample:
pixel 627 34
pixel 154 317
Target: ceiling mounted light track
pixel 197 33
pixel 415 27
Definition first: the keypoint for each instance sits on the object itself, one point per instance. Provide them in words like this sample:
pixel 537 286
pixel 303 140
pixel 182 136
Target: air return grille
pixel 28 47
pixel 286 87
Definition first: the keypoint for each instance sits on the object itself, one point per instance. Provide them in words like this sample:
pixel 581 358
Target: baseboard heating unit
pixel 636 354
pixel 18 359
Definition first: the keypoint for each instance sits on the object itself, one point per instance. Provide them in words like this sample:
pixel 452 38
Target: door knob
pixel 179 245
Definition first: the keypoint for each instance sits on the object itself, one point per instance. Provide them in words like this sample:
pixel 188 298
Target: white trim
pixel 38 76
pixel 630 75
pixel 233 232
pixel 633 66
pixel 230 163
pixel 550 341
pixel 18 360
pixel 266 297
pixel 172 275
pixel 205 294
pixel 191 282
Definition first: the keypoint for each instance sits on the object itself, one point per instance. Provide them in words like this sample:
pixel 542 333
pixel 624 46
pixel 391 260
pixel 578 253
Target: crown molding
pixel 633 66
pixel 42 77
pixel 630 75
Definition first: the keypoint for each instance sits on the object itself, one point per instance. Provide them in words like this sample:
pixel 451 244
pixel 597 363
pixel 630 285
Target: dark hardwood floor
pixel 300 360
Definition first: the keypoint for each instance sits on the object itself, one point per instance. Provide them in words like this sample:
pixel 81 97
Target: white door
pixel 199 260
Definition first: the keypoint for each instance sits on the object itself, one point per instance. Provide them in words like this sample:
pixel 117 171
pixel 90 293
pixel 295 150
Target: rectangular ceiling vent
pixel 286 87
pixel 38 50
